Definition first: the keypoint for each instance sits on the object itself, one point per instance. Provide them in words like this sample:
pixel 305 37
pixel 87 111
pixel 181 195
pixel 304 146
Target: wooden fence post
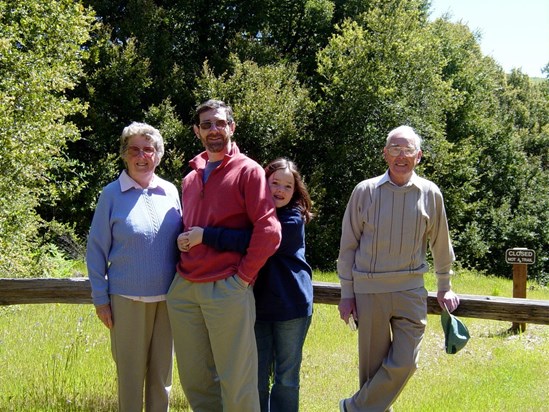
pixel 519 257
pixel 520 274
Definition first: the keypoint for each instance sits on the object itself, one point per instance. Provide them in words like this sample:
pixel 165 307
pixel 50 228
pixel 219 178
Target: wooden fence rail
pixel 77 290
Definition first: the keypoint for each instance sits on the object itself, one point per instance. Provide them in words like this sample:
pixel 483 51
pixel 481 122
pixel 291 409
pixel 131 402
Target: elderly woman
pixel 131 258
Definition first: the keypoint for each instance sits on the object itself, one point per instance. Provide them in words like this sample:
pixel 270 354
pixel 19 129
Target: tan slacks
pixel 391 328
pixel 213 329
pixel 142 348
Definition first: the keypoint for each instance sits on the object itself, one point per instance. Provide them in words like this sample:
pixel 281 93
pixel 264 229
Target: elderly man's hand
pixel 448 298
pixel 347 307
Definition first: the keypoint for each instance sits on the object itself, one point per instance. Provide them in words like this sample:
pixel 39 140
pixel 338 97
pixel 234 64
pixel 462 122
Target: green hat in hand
pixel 456 334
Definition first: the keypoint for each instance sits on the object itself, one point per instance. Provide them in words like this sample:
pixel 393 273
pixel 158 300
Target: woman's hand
pixel 104 313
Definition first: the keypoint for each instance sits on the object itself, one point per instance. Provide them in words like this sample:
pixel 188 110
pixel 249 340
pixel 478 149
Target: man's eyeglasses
pixel 407 150
pixel 148 151
pixel 219 124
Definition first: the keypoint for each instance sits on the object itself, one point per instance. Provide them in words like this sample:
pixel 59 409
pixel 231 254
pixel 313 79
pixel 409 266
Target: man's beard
pixel 216 146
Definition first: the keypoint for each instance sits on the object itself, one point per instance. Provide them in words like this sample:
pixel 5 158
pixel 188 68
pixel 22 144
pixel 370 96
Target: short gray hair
pixel 407 131
pixel 142 129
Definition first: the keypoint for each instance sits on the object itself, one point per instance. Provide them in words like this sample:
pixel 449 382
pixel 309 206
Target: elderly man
pixel 387 225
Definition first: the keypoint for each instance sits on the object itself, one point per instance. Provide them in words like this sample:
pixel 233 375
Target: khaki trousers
pixel 390 327
pixel 214 340
pixel 142 348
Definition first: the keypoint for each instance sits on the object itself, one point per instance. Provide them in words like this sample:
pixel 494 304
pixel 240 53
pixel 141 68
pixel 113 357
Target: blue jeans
pixel 280 349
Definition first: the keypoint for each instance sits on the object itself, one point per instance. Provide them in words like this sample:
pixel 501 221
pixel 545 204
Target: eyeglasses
pixel 219 124
pixel 148 151
pixel 396 150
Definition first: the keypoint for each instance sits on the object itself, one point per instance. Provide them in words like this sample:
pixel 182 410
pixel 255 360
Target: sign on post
pixel 520 255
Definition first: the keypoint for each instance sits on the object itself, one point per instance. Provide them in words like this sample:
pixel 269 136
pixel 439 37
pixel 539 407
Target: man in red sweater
pixel 211 303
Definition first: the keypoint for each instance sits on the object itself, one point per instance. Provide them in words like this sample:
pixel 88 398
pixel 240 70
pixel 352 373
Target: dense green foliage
pixel 320 81
pixel 41 58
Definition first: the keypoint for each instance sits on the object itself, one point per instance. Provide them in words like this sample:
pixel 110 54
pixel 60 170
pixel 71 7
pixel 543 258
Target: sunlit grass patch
pixel 56 357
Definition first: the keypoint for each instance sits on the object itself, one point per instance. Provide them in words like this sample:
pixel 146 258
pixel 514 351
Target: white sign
pixel 520 255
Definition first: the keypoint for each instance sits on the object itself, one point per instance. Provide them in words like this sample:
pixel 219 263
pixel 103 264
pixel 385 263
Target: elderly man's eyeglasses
pixel 219 124
pixel 148 151
pixel 407 150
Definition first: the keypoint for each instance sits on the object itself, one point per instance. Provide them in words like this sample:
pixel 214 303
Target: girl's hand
pixel 190 238
pixel 195 236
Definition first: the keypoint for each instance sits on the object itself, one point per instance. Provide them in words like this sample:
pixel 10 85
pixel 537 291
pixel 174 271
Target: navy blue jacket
pixel 283 289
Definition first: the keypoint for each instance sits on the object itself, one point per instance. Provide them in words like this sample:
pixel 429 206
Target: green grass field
pixel 56 357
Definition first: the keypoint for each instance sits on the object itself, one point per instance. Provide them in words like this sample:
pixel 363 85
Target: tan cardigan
pixel 385 232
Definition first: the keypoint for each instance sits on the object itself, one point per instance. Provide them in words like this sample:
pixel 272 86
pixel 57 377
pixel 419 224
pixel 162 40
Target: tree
pixel 114 91
pixel 272 109
pixel 320 81
pixel 492 205
pixel 381 70
pixel 40 59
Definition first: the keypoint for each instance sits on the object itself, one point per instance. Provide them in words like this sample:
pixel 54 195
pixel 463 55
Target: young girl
pixel 283 289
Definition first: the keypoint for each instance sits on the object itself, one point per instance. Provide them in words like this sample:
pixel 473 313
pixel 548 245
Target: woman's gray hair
pixel 406 131
pixel 142 129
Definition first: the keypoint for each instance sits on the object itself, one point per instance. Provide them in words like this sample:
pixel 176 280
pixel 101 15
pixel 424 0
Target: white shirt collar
pixel 385 178
pixel 127 183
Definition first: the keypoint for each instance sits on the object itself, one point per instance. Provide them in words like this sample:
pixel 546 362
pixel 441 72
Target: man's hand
pixel 448 298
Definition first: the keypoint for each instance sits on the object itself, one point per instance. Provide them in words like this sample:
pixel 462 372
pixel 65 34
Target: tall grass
pixel 57 358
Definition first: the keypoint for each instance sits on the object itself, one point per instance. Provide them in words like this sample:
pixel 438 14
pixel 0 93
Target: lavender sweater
pixel 132 245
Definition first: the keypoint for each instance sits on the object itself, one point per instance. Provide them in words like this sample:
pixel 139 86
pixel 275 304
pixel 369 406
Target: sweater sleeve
pixel 266 233
pixel 293 231
pixel 227 239
pixel 97 250
pixel 351 233
pixel 440 244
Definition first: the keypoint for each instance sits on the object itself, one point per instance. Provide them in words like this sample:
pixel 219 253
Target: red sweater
pixel 236 196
